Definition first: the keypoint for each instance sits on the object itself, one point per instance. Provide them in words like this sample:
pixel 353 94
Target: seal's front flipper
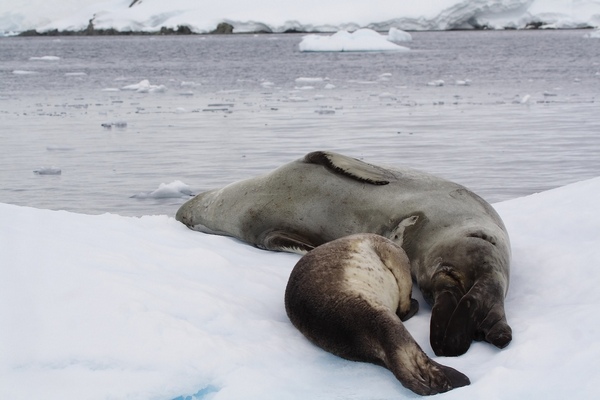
pixel 286 241
pixel 494 329
pixel 478 315
pixel 351 167
pixel 444 314
pixel 414 308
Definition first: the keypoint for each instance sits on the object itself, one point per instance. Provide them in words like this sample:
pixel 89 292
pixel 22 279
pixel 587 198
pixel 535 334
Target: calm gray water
pixel 232 107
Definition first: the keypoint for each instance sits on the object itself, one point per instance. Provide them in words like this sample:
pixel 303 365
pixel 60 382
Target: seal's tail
pixel 413 368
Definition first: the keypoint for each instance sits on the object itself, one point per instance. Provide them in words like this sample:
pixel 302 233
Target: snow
pixel 359 40
pixel 107 306
pixel 306 16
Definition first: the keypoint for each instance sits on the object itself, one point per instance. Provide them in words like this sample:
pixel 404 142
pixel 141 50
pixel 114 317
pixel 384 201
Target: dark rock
pixel 31 32
pixel 223 29
pixel 181 30
pixel 90 28
pixel 534 25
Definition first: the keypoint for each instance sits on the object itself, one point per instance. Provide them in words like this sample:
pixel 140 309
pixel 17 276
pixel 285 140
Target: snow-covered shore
pixel 98 307
pixel 291 15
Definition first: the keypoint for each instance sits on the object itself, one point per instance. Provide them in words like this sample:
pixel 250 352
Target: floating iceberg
pixel 593 35
pixel 48 171
pixel 145 87
pixel 360 40
pixel 175 189
pixel 397 35
pixel 44 58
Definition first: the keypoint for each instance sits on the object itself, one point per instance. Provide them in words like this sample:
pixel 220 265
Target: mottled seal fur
pixel 350 296
pixel 457 244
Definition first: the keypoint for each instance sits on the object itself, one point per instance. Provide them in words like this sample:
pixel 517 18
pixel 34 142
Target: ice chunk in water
pixel 175 189
pixel 48 171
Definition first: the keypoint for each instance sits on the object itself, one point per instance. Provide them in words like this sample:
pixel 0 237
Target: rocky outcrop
pixel 223 29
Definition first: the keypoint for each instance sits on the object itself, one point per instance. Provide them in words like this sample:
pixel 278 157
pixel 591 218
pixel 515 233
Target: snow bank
pixel 106 306
pixel 360 40
pixel 305 16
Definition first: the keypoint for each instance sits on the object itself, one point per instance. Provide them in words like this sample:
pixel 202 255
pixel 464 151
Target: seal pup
pixel 350 296
pixel 457 244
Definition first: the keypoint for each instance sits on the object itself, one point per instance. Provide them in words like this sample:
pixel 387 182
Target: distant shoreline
pixel 228 29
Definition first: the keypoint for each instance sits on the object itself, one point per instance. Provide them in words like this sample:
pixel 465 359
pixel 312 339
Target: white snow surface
pixel 307 15
pixel 105 306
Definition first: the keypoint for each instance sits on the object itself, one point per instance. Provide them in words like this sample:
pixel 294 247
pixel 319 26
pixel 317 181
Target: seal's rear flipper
pixel 457 379
pixel 412 367
pixel 351 167
pixel 286 241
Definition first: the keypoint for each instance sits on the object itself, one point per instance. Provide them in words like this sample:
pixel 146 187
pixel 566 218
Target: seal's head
pixel 467 292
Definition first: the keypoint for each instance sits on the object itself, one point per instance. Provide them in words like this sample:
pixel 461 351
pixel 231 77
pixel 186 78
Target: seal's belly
pixel 367 277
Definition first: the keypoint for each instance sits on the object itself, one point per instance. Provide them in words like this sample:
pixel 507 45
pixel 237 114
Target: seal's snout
pixel 183 216
pixel 500 334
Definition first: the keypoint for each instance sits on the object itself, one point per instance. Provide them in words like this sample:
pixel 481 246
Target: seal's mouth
pixel 483 236
pixel 183 217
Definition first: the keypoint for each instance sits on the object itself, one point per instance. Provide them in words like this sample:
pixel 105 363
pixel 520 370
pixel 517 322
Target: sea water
pixel 110 119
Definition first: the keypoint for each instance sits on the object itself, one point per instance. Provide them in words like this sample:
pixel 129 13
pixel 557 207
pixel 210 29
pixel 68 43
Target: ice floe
pixel 175 189
pixel 344 41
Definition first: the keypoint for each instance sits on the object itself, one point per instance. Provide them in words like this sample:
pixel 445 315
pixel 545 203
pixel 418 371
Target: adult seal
pixel 350 296
pixel 457 244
